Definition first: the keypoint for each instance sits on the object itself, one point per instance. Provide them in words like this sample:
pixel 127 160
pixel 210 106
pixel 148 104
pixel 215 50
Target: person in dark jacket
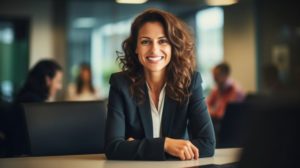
pixel 156 107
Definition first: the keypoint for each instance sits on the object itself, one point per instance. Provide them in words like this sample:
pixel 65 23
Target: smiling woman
pixel 157 99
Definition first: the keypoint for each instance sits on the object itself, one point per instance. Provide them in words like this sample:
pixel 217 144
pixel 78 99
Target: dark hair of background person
pixel 80 80
pixel 223 68
pixel 36 80
pixel 181 66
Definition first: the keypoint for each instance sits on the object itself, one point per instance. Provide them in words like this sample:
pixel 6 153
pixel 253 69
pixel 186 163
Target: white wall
pixel 41 33
pixel 239 44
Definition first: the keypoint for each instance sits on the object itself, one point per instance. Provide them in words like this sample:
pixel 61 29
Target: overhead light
pixel 220 2
pixel 84 22
pixel 131 1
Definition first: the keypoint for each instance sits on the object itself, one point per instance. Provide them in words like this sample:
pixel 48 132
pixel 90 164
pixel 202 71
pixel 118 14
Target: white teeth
pixel 154 58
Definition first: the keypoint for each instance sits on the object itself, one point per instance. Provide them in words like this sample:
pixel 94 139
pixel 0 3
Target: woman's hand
pixel 182 149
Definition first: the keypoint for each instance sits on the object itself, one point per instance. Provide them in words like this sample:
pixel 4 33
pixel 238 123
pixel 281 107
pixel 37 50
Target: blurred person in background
pixel 83 89
pixel 42 83
pixel 226 91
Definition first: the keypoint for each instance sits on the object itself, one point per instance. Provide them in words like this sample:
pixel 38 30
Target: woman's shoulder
pixel 196 78
pixel 118 76
pixel 119 79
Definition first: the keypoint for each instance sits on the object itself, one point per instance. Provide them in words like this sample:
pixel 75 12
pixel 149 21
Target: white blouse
pixel 156 113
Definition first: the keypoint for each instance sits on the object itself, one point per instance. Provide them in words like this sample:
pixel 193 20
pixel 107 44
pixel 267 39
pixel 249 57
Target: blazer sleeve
pixel 116 146
pixel 200 126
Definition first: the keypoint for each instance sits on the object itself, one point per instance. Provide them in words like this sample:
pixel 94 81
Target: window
pixel 209 30
pixel 106 41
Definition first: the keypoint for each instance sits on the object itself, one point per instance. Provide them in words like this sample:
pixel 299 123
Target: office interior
pixel 248 35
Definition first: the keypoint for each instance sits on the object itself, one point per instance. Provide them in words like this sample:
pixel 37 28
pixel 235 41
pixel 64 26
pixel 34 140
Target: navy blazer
pixel 126 119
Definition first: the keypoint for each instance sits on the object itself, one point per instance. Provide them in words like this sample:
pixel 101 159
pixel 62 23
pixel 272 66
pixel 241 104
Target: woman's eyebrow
pixel 144 37
pixel 162 37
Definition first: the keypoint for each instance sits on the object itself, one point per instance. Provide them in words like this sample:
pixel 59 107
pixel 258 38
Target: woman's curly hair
pixel 181 66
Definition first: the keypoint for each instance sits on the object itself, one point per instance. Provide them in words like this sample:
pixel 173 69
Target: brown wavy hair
pixel 181 66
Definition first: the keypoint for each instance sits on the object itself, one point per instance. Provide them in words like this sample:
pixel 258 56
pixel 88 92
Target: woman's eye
pixel 163 41
pixel 145 42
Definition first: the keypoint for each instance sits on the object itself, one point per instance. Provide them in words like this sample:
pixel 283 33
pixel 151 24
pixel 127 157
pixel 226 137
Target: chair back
pixel 233 125
pixel 62 128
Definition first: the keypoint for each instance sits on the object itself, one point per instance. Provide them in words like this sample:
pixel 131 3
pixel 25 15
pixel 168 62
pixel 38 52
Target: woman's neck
pixel 155 81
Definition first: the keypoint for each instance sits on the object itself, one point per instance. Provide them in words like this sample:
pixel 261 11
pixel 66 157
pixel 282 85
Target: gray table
pixel 222 156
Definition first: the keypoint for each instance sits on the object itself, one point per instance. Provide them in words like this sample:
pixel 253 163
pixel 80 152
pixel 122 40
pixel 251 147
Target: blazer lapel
pixel 145 113
pixel 168 115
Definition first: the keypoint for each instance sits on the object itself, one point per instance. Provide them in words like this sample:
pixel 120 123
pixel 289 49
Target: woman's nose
pixel 155 48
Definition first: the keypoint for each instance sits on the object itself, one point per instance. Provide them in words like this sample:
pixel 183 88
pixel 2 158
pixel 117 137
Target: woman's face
pixel 153 48
pixel 85 74
pixel 55 83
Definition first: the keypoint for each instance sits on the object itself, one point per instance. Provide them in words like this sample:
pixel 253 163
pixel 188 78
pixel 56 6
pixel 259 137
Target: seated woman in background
pixel 83 89
pixel 42 83
pixel 157 100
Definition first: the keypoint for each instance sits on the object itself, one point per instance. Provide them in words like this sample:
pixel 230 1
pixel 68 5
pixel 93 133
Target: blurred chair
pixel 62 128
pixel 255 97
pixel 3 139
pixel 233 125
pixel 12 136
pixel 273 135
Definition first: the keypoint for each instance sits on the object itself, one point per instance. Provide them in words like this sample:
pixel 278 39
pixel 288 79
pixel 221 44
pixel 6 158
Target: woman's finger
pixel 182 155
pixel 195 151
pixel 187 153
pixel 190 151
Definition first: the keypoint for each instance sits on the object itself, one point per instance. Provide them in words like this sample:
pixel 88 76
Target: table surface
pixel 222 156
